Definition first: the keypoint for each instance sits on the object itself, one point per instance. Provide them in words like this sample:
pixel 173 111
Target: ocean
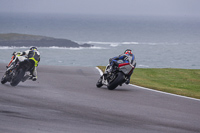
pixel 157 42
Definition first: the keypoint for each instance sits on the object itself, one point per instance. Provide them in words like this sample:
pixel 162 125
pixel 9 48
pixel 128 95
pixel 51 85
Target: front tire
pixel 99 82
pixel 117 81
pixel 3 79
pixel 17 78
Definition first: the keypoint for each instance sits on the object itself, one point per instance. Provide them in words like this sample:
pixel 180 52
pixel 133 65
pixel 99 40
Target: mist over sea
pixel 157 42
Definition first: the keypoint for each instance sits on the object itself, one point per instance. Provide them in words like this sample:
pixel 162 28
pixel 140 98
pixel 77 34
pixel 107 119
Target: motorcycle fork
pixel 104 81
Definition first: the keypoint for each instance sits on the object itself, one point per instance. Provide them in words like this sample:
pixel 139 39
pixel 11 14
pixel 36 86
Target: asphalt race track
pixel 66 100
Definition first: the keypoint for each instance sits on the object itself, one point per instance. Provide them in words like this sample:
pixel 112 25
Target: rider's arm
pixel 115 59
pixel 22 53
pixel 25 52
pixel 120 57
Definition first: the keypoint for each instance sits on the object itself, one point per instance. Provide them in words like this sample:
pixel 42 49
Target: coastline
pixel 24 40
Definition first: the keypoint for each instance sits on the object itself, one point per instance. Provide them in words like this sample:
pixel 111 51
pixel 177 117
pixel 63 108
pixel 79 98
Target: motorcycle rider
pixel 34 56
pixel 126 57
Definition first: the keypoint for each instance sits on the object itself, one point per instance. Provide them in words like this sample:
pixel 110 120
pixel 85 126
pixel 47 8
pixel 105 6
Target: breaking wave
pixel 52 47
pixel 13 47
pixel 112 44
pixel 96 45
pixel 115 44
pixel 73 48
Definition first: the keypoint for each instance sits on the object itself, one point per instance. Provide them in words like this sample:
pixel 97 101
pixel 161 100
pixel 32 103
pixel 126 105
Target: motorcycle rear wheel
pixel 17 78
pixel 117 81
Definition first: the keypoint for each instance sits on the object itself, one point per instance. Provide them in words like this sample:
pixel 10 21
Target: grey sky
pixel 109 7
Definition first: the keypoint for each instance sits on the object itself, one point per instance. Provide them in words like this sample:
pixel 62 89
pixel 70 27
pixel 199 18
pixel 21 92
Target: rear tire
pixel 117 81
pixel 17 78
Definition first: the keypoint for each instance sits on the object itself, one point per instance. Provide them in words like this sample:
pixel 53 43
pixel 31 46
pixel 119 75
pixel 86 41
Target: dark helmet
pixel 33 48
pixel 128 51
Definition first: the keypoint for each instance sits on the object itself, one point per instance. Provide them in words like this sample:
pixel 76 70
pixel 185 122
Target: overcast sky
pixel 109 7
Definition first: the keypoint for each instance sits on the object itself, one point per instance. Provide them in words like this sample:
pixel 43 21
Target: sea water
pixel 157 42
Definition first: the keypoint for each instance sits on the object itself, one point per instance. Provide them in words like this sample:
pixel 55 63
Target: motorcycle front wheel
pixel 99 82
pixel 3 79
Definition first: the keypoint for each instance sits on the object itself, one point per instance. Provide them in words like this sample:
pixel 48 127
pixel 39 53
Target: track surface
pixel 66 100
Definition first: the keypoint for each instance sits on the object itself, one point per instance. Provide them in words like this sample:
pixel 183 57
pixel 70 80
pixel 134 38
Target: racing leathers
pixel 34 57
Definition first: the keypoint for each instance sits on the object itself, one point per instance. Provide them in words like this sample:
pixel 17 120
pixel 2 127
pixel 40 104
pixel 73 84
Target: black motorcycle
pixel 18 71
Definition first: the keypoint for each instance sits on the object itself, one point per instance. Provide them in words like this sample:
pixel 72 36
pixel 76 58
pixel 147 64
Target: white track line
pixel 144 88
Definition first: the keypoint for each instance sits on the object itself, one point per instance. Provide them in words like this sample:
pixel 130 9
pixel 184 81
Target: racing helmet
pixel 128 51
pixel 33 48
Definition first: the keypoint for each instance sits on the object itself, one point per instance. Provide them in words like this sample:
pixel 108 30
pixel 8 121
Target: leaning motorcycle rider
pixel 34 56
pixel 126 57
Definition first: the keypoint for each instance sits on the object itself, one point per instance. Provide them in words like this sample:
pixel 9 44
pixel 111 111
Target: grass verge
pixel 184 82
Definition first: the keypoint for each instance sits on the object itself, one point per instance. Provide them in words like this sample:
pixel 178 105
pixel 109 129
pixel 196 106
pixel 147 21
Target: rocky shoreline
pixel 18 40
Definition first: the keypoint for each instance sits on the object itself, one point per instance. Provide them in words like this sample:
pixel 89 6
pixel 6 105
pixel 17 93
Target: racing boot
pixel 33 78
pixel 127 81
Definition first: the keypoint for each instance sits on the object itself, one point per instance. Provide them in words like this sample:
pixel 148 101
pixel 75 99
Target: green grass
pixel 184 82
